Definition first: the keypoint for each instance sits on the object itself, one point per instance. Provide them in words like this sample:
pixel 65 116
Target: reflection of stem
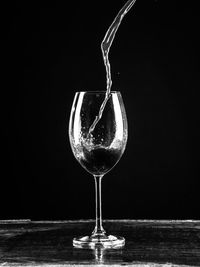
pixel 99 254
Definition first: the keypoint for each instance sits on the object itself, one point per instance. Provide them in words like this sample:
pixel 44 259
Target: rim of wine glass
pixel 99 92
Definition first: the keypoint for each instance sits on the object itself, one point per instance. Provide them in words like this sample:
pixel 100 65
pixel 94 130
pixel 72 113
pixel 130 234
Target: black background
pixel 50 51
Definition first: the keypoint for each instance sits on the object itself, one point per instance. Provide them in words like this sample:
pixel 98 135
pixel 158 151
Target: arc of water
pixel 109 37
pixel 105 48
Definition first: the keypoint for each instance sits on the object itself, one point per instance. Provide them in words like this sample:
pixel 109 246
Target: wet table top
pixel 148 243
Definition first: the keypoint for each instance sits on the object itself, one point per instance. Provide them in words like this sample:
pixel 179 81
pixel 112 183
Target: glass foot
pixel 103 241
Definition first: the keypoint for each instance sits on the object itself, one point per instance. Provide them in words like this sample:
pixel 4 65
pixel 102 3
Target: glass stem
pixel 98 230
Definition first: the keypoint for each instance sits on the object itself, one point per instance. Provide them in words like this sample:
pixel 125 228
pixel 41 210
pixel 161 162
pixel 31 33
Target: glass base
pixel 103 241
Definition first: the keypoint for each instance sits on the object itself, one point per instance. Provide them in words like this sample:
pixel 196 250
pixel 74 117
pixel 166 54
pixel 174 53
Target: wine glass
pixel 98 150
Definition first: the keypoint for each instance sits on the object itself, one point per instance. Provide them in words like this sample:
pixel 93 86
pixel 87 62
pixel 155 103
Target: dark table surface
pixel 148 243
